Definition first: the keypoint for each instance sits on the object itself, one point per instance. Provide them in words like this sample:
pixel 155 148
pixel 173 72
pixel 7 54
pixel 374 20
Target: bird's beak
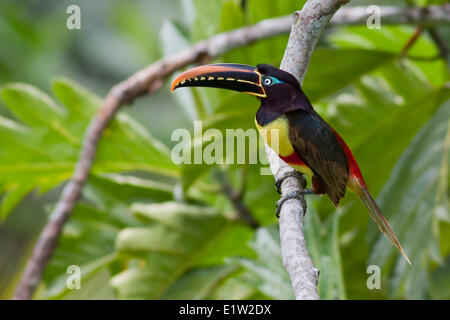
pixel 237 77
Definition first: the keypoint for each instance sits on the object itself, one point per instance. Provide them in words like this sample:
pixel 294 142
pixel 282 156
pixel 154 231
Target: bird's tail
pixel 380 220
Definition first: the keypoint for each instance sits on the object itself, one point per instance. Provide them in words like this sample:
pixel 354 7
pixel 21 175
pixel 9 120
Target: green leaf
pixel 88 239
pixel 174 39
pixel 199 284
pixel 382 123
pixel 30 105
pixel 377 123
pixel 207 17
pixel 176 238
pixel 88 243
pixel 266 273
pixel 81 103
pixel 392 39
pixel 220 123
pixel 412 199
pixel 322 240
pixel 95 272
pixel 324 78
pixel 217 283
pixel 13 196
pixel 42 152
pixel 234 287
pixel 130 189
pixel 440 282
pixel 232 17
pixel 270 50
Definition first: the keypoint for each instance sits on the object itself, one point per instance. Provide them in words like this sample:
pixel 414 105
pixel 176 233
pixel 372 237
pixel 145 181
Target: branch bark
pixel 150 79
pixel 307 28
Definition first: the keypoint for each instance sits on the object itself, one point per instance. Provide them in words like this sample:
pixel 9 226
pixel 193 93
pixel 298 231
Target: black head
pixel 279 85
pixel 272 76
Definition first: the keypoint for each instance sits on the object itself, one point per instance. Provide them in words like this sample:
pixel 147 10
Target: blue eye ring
pixel 268 81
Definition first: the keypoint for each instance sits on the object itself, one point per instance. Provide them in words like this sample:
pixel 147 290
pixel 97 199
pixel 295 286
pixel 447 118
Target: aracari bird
pixel 306 142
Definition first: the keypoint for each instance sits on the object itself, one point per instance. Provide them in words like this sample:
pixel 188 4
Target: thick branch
pixel 147 81
pixel 307 27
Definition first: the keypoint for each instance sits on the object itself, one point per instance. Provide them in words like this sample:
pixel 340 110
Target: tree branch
pixel 307 28
pixel 149 80
pixel 411 41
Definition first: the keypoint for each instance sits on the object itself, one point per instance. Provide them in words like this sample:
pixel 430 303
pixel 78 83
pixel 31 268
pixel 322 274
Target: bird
pixel 306 142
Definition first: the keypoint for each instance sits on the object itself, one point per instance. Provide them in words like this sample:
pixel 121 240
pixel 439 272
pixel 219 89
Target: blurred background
pixel 146 228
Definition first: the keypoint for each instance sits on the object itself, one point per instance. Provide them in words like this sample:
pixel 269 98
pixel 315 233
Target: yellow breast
pixel 276 135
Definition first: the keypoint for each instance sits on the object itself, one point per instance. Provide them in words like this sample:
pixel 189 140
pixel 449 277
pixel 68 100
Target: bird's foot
pixel 293 195
pixel 294 174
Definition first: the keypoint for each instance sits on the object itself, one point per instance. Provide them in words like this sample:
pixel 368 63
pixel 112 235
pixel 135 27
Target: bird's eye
pixel 267 81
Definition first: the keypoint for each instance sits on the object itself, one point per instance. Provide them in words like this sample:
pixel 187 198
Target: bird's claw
pixel 292 195
pixel 279 181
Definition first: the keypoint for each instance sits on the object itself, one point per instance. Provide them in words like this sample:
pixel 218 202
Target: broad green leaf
pixel 14 194
pixel 235 287
pixel 80 103
pixel 130 189
pixel 89 237
pixel 382 124
pixel 214 133
pixel 322 239
pixel 42 152
pixel 412 199
pixel 266 273
pixel 258 10
pixel 31 106
pixel 87 242
pixel 232 17
pixel 207 17
pixel 377 123
pixel 331 69
pixel 174 39
pixel 199 284
pixel 392 39
pixel 270 50
pixel 93 276
pixel 439 282
pixel 260 194
pixel 93 288
pixel 176 238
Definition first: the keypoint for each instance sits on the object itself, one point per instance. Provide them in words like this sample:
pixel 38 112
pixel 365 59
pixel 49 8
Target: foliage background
pixel 146 228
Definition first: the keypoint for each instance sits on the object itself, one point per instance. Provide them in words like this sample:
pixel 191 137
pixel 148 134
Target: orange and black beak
pixel 237 77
